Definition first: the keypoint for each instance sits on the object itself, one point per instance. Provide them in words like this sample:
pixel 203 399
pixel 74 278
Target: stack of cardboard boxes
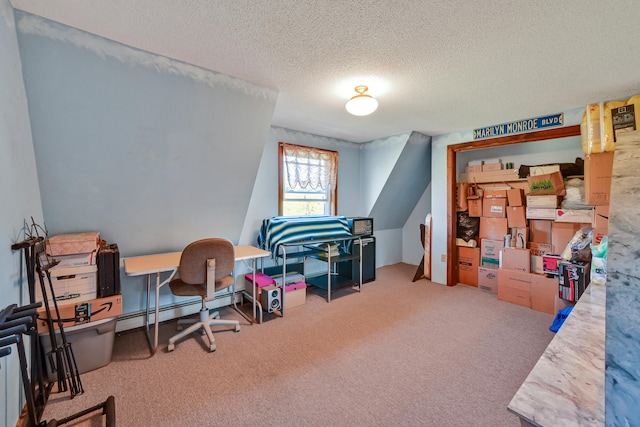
pixel 521 237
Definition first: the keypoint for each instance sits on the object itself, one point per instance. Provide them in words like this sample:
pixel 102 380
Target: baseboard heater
pixel 135 319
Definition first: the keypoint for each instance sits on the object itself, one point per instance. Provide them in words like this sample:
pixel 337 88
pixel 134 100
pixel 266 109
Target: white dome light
pixel 361 104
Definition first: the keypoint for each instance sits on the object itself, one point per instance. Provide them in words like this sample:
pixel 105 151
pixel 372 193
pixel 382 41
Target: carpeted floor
pixel 397 354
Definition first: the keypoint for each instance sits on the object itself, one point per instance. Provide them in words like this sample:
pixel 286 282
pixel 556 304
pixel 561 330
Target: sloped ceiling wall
pixel 151 152
pixel 406 183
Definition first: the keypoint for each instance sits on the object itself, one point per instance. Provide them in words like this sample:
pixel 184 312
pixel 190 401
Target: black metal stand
pixel 15 322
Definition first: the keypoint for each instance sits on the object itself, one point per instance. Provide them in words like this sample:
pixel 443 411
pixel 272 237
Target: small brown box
pixel 516 197
pixel 544 291
pixel 488 279
pixel 520 236
pixel 598 168
pixel 475 205
pixel 516 216
pixel 494 207
pixel 540 230
pixel 491 167
pixel 475 168
pixel 493 228
pixel 562 233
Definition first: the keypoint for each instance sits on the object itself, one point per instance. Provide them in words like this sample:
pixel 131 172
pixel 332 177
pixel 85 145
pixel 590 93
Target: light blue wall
pixel 19 196
pixel 150 152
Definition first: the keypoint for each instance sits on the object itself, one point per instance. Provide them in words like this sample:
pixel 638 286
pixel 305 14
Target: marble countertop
pixel 566 386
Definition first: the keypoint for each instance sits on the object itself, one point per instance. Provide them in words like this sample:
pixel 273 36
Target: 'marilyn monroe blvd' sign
pixel 526 125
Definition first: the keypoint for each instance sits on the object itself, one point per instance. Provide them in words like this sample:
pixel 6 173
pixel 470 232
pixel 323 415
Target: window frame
pixel 333 199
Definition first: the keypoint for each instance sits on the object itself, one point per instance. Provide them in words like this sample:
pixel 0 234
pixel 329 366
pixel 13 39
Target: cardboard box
pixel 71 284
pixel 493 228
pixel 598 168
pixel 539 249
pixel 537 264
pixel 573 279
pixel 520 237
pixel 514 286
pixel 295 294
pixel 540 230
pixel 468 260
pixel 79 313
pixel 475 168
pixel 543 201
pixel 516 217
pixel 488 279
pixel 491 167
pixel 541 213
pixel 474 204
pixel 562 233
pixel 544 291
pixel 494 207
pixel 516 259
pixel 515 197
pixel 492 193
pixel 490 253
pixel 73 243
pixel 575 215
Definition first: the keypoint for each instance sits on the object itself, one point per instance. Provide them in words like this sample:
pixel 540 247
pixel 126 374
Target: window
pixel 307 180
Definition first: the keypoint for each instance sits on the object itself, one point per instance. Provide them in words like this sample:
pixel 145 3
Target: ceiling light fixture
pixel 361 104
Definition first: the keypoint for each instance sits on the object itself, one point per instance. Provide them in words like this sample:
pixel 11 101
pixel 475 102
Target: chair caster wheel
pixel 171 347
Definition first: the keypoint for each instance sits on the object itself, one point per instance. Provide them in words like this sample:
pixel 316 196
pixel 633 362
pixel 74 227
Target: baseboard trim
pixel 136 319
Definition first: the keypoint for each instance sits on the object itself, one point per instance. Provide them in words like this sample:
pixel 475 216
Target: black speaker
pixel 271 298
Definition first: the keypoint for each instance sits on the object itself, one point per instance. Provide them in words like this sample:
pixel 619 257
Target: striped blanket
pixel 286 229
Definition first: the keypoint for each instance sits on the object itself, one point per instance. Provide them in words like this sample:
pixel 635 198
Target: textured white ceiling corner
pixel 435 66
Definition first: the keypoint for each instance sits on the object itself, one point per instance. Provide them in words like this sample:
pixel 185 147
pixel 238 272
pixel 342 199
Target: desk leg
pixel 153 344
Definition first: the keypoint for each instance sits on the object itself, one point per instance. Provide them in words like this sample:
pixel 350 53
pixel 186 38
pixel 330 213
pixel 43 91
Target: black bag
pixel 108 270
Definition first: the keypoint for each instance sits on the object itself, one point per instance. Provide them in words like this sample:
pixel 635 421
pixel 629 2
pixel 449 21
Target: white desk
pixel 168 263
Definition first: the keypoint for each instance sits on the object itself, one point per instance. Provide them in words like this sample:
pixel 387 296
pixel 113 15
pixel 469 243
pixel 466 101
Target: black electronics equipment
pixel 108 261
pixel 361 226
pixel 270 298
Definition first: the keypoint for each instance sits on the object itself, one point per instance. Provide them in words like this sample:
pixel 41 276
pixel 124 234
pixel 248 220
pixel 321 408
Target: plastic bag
pixel 599 262
pixel 468 227
pixel 578 248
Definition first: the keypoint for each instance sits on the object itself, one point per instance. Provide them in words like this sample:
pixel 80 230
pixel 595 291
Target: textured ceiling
pixel 435 66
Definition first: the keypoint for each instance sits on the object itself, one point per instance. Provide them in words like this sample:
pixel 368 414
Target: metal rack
pixel 320 249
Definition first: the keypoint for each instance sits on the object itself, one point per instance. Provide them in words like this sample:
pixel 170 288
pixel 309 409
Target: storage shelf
pixel 337 282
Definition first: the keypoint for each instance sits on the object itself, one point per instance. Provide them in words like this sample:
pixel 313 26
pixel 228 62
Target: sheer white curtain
pixel 310 167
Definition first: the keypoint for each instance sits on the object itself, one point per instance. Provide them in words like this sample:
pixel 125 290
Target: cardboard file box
pixel 92 345
pixel 73 243
pixel 514 287
pixel 70 284
pixel 468 259
pixel 295 294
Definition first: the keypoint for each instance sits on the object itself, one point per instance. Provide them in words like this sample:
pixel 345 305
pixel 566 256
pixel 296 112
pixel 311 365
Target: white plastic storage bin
pixel 92 345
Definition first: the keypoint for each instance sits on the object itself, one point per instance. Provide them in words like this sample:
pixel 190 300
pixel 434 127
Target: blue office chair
pixel 205 267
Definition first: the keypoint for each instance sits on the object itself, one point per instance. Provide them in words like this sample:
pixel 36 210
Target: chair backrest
pixel 193 261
